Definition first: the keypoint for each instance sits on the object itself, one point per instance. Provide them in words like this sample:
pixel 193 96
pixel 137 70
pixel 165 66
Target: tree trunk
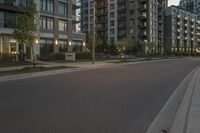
pixel 33 57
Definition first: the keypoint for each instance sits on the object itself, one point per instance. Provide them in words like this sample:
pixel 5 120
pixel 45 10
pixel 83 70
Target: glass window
pixel 46 46
pixel 50 5
pixel 46 5
pixel 20 2
pixel 9 20
pixel 1 1
pixel 1 19
pixel 63 46
pixel 77 45
pixel 62 25
pixel 46 23
pixel 49 24
pixel 62 8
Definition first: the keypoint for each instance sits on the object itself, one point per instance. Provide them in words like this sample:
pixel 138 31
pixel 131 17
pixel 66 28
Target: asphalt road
pixel 120 99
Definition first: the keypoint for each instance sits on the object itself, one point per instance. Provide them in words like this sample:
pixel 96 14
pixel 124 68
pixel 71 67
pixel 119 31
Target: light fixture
pixel 56 42
pixel 13 41
pixel 36 41
pixel 84 44
pixel 70 43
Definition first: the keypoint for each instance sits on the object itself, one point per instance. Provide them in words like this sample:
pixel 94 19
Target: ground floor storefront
pixel 41 47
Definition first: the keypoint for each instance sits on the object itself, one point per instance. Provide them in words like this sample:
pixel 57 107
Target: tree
pixel 151 47
pixel 24 31
pixel 89 41
pixel 126 45
pixel 167 48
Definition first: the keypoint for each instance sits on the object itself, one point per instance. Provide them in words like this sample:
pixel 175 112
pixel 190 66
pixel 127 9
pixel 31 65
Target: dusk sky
pixel 173 2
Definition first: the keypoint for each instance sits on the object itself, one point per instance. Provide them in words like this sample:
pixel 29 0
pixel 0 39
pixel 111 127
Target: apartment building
pixel 182 30
pixel 192 6
pixel 57 26
pixel 142 20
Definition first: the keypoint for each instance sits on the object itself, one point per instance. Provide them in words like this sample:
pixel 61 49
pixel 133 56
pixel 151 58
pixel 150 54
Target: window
pixel 1 19
pixel 20 2
pixel 112 31
pixel 131 21
pixel 9 20
pixel 1 1
pixel 131 30
pixel 62 25
pixel 77 45
pixel 46 45
pixel 46 5
pixel 63 46
pixel 112 23
pixel 47 23
pixel 112 6
pixel 112 15
pixel 62 8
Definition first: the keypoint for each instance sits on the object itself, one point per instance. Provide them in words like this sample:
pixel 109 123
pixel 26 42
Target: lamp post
pixel 94 33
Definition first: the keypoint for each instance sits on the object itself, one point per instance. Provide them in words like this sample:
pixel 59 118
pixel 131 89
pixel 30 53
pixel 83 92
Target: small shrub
pixel 59 56
pixel 46 57
pixel 83 55
pixel 7 57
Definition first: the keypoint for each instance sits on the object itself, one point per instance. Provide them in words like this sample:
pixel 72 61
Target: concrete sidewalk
pixel 181 113
pixel 187 119
pixel 54 64
pixel 79 64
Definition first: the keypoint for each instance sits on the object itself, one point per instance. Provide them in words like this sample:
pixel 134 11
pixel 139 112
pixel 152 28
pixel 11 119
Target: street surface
pixel 119 99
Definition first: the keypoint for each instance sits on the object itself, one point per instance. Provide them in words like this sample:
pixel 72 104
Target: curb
pixel 47 73
pixel 61 71
pixel 185 122
pixel 165 119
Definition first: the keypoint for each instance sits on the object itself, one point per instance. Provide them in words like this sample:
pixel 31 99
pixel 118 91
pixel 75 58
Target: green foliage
pixel 83 55
pixel 24 32
pixel 58 56
pixel 113 49
pixel 7 57
pixel 89 41
pixel 152 47
pixel 46 57
pixel 126 45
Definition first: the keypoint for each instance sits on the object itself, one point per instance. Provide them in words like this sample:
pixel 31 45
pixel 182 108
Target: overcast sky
pixel 173 2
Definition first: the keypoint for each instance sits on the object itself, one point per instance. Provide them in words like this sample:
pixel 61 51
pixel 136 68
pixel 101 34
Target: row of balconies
pixel 187 29
pixel 142 7
pixel 186 38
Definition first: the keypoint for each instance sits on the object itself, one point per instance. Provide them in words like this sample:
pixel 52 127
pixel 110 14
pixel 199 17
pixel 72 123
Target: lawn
pixel 12 64
pixel 86 60
pixel 32 70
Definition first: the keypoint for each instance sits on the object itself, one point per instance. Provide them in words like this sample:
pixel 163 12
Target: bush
pixel 83 55
pixel 7 57
pixel 46 57
pixel 58 56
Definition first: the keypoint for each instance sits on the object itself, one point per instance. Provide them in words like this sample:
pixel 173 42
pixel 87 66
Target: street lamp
pixel 94 32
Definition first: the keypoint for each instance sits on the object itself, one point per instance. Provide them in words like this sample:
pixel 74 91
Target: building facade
pixel 192 6
pixel 56 23
pixel 182 30
pixel 142 20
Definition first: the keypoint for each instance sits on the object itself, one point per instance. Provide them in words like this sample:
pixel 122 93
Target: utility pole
pixel 94 33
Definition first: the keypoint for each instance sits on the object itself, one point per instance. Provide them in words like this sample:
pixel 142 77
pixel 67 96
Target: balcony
pixel 121 17
pixel 142 7
pixel 121 1
pixel 143 34
pixel 143 16
pixel 76 4
pixel 121 9
pixel 143 25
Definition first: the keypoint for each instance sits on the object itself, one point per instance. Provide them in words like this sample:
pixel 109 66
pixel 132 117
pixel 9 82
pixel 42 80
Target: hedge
pixel 61 56
pixel 83 55
pixel 7 57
